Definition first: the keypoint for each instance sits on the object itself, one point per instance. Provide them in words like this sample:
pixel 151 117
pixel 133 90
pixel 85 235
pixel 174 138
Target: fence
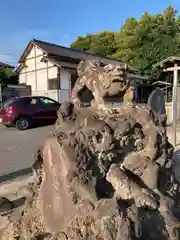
pixel 9 91
pixel 169 108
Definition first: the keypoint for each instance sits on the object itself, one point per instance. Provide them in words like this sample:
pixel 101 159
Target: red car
pixel 22 112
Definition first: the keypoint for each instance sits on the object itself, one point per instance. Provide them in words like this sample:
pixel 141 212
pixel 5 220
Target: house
pixel 50 69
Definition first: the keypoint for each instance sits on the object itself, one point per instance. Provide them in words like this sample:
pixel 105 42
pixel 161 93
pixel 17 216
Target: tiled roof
pixel 56 52
pixel 54 49
pixel 171 59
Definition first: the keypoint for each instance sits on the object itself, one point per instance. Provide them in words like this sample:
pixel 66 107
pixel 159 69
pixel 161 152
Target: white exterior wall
pixel 47 93
pixel 41 75
pixel 30 80
pixel 39 64
pixel 65 78
pixel 22 78
pixel 52 72
pixel 36 74
pixel 58 95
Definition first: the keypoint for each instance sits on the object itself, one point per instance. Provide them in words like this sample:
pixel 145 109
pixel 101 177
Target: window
pixel 10 102
pixel 33 101
pixel 30 101
pixel 46 101
pixel 52 84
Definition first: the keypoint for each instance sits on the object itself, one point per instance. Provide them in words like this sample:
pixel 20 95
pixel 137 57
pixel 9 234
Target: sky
pixel 62 21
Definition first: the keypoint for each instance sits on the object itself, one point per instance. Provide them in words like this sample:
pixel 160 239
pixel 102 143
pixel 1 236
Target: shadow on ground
pixel 34 126
pixel 19 202
pixel 42 124
pixel 15 212
pixel 16 174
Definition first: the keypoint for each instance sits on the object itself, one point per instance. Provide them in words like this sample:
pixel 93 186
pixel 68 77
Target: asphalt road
pixel 17 149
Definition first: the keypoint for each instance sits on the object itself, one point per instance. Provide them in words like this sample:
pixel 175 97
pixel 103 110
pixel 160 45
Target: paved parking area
pixel 17 148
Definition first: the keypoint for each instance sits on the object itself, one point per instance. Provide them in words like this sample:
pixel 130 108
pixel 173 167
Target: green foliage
pixel 102 43
pixel 141 43
pixel 82 43
pixel 7 76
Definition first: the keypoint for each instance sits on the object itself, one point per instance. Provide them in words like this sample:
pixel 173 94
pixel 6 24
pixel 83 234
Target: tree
pixel 7 76
pixel 141 43
pixel 103 44
pixel 82 43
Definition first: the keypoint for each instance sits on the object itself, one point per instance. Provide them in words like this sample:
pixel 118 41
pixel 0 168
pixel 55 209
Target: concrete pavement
pixel 17 153
pixel 18 148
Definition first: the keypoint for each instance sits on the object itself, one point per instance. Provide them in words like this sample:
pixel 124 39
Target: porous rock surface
pixel 104 174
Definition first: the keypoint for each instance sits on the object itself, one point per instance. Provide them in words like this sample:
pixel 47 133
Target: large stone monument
pixel 104 173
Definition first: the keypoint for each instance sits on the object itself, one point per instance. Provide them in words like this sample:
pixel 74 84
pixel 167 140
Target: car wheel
pixel 22 123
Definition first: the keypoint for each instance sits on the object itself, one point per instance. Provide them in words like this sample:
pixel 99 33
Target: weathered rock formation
pixel 108 81
pixel 103 174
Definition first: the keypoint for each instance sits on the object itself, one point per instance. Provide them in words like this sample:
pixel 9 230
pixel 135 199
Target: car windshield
pixel 10 102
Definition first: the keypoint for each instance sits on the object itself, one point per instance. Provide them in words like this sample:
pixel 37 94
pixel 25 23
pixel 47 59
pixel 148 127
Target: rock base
pixel 102 175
